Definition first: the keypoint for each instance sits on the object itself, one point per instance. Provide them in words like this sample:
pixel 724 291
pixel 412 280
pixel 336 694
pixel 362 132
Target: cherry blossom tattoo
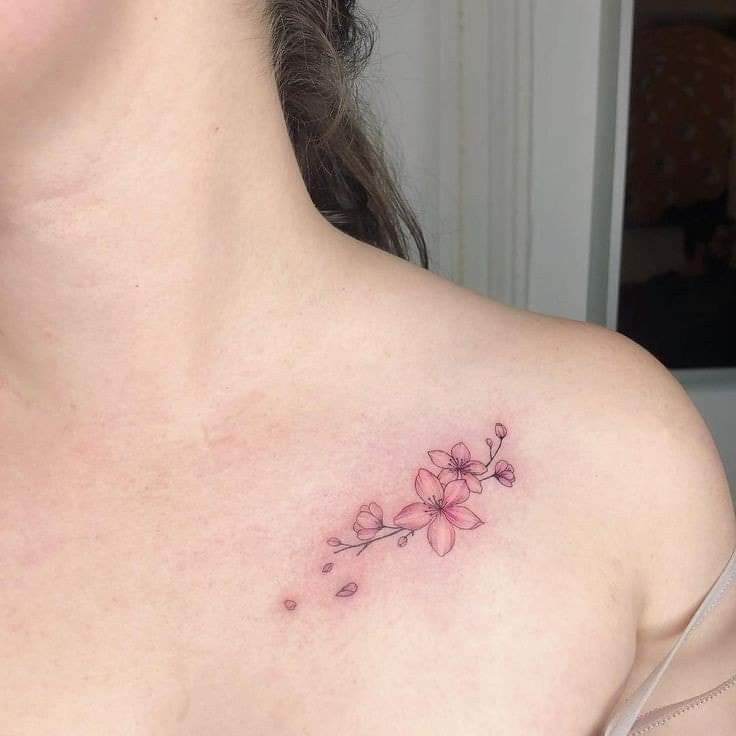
pixel 443 493
pixel 441 508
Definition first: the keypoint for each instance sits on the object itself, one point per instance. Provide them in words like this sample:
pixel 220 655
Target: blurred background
pixel 577 158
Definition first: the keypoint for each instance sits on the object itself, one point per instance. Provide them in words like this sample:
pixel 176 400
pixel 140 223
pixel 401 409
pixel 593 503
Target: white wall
pixel 508 118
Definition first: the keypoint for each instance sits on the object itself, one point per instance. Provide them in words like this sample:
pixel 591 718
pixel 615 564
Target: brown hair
pixel 320 49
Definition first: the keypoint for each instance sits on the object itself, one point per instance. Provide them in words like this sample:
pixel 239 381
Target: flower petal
pixel 376 510
pixel 427 486
pixel 460 453
pixel 462 517
pixel 475 467
pixel 347 590
pixel 440 458
pixel 447 476
pixel 474 485
pixel 441 535
pixel 365 534
pixel 415 516
pixel 506 481
pixel 367 520
pixel 456 492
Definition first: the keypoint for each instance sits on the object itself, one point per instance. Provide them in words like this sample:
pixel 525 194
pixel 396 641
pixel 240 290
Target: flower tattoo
pixel 442 495
pixel 441 509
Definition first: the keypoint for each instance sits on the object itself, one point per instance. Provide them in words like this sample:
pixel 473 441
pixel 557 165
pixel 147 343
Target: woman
pixel 260 477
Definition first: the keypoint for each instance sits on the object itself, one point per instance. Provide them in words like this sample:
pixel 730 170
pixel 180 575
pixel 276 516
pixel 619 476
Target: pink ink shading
pixel 458 465
pixel 504 473
pixel 443 496
pixel 440 510
pixel 347 590
pixel 289 604
pixel 368 522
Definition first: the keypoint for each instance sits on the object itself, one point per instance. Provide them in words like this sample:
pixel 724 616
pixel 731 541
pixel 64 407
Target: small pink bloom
pixel 368 522
pixel 504 473
pixel 457 465
pixel 501 431
pixel 440 510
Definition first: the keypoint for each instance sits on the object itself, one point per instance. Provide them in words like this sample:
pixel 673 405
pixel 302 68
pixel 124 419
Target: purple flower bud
pixel 289 605
pixel 501 431
pixel 334 542
pixel 328 567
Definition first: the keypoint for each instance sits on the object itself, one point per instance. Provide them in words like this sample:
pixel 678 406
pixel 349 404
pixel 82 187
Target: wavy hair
pixel 320 49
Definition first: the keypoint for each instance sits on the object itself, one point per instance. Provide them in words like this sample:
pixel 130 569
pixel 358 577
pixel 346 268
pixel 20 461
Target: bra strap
pixel 627 713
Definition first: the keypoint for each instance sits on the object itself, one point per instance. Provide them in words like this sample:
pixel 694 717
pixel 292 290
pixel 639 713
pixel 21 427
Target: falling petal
pixel 402 541
pixel 328 567
pixel 347 590
pixel 334 542
pixel 289 605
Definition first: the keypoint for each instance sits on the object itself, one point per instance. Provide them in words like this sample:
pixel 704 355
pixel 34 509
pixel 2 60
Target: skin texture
pixel 201 381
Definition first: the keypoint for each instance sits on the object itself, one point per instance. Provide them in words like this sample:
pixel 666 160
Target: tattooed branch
pixel 443 495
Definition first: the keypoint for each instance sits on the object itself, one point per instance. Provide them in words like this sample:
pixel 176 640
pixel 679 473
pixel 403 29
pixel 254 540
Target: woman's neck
pixel 150 205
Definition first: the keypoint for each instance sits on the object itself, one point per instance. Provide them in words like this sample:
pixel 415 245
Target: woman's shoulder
pixel 605 431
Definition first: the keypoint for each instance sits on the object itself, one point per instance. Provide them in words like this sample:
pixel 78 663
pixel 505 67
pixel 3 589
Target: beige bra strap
pixel 626 714
pixel 656 718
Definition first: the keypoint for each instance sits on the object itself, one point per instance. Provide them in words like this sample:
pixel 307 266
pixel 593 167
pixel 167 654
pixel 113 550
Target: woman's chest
pixel 150 597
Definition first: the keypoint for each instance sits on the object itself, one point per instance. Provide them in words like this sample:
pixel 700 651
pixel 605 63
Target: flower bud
pixel 501 431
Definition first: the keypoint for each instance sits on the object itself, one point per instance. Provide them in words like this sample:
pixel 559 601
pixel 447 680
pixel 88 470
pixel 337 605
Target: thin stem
pixel 493 454
pixel 364 545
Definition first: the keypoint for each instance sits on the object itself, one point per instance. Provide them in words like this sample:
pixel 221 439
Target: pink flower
pixel 440 511
pixel 501 431
pixel 458 466
pixel 368 522
pixel 504 473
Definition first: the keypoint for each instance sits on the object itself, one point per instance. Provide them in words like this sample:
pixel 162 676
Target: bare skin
pixel 201 381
